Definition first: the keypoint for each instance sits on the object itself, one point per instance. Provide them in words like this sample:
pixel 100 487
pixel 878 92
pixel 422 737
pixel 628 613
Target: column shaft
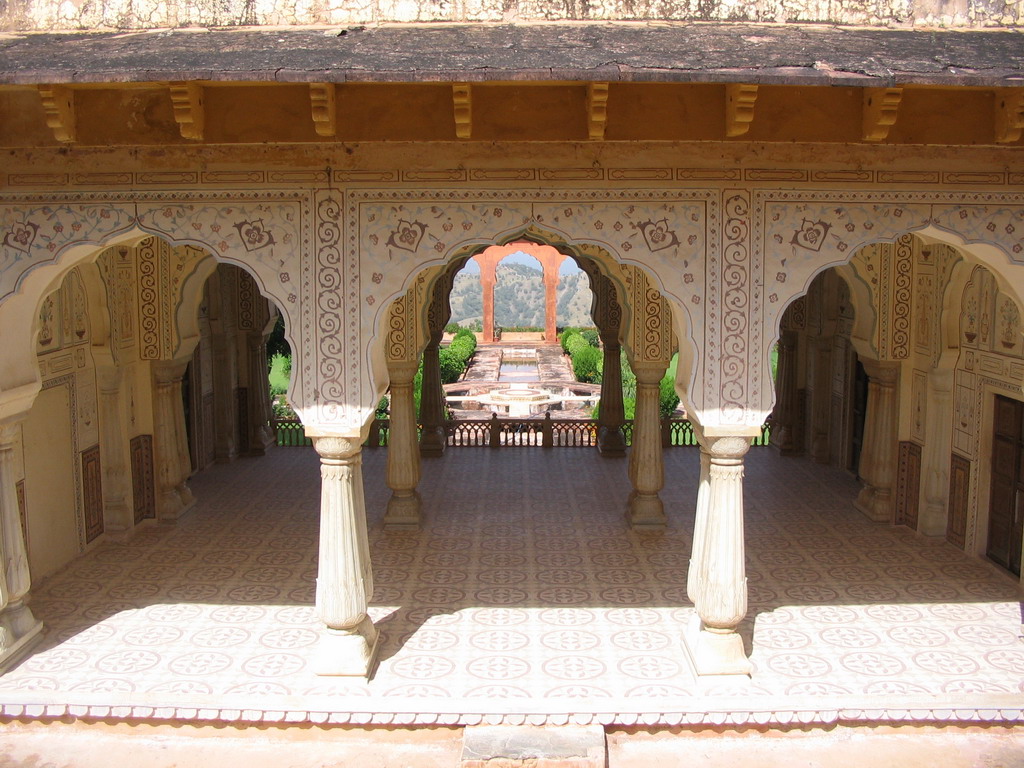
pixel 173 497
pixel 720 591
pixel 344 578
pixel 403 469
pixel 611 416
pixel 434 438
pixel 784 418
pixel 646 463
pixel 877 457
pixel 487 280
pixel 258 401
pixel 821 398
pixel 19 629
pixel 938 436
pixel 118 515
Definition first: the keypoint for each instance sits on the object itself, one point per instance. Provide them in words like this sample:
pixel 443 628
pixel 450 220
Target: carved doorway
pixel 1006 507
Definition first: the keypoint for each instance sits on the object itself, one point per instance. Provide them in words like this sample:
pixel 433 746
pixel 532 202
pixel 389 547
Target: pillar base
pixel 932 521
pixel 645 510
pixel 433 441
pixel 715 653
pixel 347 652
pixel 610 443
pixel 171 506
pixel 19 632
pixel 874 504
pixel 403 512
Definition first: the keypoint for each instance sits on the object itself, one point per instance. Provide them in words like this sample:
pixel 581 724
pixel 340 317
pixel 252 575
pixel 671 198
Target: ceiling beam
pixel 187 100
pixel 740 99
pixel 59 107
pixel 1009 114
pixel 325 114
pixel 462 98
pixel 597 110
pixel 880 108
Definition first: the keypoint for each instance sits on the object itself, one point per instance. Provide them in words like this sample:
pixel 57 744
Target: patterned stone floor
pixel 525 596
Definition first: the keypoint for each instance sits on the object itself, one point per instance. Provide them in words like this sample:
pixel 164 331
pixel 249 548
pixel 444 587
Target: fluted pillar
pixel 938 437
pixel 258 401
pixel 433 437
pixel 403 469
pixel 646 464
pixel 611 416
pixel 118 515
pixel 225 381
pixel 821 398
pixel 19 629
pixel 700 524
pixel 344 579
pixel 170 443
pixel 784 417
pixel 718 569
pixel 878 455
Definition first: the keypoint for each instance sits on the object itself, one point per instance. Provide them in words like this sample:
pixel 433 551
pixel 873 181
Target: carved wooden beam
pixel 739 108
pixel 463 100
pixel 1009 114
pixel 597 110
pixel 325 115
pixel 187 100
pixel 880 107
pixel 59 106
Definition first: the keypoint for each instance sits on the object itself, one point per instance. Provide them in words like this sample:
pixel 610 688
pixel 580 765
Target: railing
pixel 496 433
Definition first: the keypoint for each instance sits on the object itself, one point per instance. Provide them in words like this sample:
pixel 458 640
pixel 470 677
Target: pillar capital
pixel 167 372
pixel 649 373
pixel 882 372
pixel 336 449
pixel 402 373
pixel 726 449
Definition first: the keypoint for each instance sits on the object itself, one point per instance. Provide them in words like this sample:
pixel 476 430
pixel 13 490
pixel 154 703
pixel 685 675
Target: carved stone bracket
pixel 1009 115
pixel 187 100
pixel 739 108
pixel 597 110
pixel 325 115
pixel 462 99
pixel 880 109
pixel 59 107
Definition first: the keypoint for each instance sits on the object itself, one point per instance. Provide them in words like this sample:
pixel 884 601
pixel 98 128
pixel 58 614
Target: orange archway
pixel 550 261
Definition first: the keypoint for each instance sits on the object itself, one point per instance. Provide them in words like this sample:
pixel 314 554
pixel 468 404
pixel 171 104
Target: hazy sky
pixel 568 267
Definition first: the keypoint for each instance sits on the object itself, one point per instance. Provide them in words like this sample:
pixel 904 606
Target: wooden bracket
pixel 597 110
pixel 463 100
pixel 59 106
pixel 325 115
pixel 880 107
pixel 1009 114
pixel 739 108
pixel 187 100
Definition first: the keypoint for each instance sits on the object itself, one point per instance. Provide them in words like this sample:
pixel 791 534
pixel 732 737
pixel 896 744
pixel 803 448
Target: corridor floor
pixel 524 598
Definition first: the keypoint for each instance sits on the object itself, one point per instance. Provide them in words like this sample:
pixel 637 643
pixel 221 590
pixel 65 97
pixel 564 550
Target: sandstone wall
pixel 46 15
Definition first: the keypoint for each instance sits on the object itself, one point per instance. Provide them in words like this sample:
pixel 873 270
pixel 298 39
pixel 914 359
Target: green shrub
pixel 591 336
pixel 567 334
pixel 667 397
pixel 575 344
pixel 585 363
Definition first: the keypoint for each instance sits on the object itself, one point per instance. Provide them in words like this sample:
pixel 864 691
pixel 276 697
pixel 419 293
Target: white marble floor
pixel 525 597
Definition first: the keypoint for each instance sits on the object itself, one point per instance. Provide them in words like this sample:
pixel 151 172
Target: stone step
pixel 527 746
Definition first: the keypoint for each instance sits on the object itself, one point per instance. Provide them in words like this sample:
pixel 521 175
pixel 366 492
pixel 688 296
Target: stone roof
pixel 619 51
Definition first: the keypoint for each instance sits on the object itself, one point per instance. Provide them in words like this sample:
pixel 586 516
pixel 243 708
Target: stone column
pixel 488 277
pixel 403 470
pixel 646 464
pixel 170 441
pixel 433 438
pixel 118 515
pixel 225 381
pixel 344 580
pixel 260 434
pixel 611 416
pixel 784 417
pixel 700 525
pixel 19 629
pixel 935 470
pixel 719 589
pixel 550 304
pixel 821 398
pixel 878 455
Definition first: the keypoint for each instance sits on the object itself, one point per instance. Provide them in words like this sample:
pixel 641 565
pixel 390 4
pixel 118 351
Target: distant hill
pixel 519 297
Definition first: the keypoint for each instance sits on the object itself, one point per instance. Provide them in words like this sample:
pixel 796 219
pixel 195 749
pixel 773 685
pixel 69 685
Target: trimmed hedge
pixel 455 357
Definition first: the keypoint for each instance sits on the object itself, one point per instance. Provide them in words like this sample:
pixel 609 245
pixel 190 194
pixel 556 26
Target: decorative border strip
pixel 246 178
